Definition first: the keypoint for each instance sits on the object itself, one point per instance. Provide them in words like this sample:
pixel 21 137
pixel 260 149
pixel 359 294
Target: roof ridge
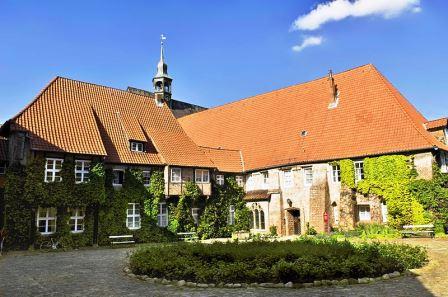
pixel 389 87
pixel 103 86
pixel 275 90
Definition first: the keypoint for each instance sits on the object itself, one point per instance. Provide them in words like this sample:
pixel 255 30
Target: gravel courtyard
pixel 98 272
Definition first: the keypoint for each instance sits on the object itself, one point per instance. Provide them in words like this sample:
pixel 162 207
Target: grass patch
pixel 303 260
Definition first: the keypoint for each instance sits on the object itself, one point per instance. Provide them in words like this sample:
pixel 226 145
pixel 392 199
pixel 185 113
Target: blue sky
pixel 221 51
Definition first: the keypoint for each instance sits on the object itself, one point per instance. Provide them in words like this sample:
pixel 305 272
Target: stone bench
pixel 122 239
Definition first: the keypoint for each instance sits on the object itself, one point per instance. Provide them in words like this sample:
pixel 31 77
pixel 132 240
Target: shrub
pixel 303 260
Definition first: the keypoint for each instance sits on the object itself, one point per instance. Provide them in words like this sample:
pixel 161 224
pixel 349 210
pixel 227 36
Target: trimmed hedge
pixel 304 260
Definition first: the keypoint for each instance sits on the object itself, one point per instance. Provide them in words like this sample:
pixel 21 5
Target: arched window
pixel 256 219
pixel 158 86
pixel 262 224
pixel 167 88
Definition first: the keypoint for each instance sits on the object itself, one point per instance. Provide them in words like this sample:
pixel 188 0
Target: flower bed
pixel 300 261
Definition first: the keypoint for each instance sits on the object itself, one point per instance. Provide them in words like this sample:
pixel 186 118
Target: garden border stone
pixel 290 285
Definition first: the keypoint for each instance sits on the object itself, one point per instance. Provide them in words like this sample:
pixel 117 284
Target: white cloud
pixel 340 9
pixel 307 42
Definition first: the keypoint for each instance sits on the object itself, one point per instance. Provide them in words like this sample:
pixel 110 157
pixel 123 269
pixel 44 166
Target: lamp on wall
pixel 289 202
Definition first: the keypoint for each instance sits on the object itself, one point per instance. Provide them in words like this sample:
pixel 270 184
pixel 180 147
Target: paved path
pixel 99 273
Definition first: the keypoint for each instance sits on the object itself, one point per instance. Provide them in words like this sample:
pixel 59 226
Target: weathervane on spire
pixel 162 38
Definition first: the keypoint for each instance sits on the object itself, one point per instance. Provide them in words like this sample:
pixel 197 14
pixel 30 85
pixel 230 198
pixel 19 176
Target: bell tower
pixel 162 81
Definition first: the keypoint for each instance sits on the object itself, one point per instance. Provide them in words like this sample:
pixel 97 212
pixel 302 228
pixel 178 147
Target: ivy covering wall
pixel 112 215
pixel 393 178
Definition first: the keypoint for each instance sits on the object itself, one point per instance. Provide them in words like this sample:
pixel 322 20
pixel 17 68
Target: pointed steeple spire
pixel 162 81
pixel 162 67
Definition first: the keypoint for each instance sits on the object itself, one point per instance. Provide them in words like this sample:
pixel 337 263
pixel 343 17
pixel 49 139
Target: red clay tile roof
pixel 437 124
pixel 225 160
pixel 372 118
pixel 83 118
pixel 3 146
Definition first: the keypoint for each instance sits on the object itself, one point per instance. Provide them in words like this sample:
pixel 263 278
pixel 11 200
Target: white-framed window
pixel 176 175
pixel 137 146
pixel 118 177
pixel 46 220
pixel 82 171
pixel 364 213
pixel 2 168
pixel 133 216
pixel 288 180
pixel 220 179
pixel 231 220
pixel 202 176
pixel 162 217
pixel 336 173
pixel 146 178
pixel 239 180
pixel 384 211
pixel 359 170
pixel 195 214
pixel 265 175
pixel 53 168
pixel 444 162
pixel 76 221
pixel 308 175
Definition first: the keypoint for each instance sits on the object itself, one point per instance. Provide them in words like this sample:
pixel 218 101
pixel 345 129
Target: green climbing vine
pixel 433 196
pixel 347 173
pixel 214 222
pixel 156 191
pixel 393 178
pixel 181 218
pixel 112 216
pixel 26 191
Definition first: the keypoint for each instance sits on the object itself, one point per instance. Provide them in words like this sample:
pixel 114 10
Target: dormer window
pixel 137 146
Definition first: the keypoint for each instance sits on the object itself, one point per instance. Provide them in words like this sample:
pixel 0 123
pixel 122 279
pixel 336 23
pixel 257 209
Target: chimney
pixel 334 92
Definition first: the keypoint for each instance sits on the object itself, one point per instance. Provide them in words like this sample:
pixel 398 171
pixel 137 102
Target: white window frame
pixel 177 180
pixel 2 168
pixel 195 215
pixel 384 212
pixel 308 175
pixel 162 217
pixel 288 179
pixel 202 176
pixel 231 219
pixel 47 219
pixel 220 179
pixel 122 181
pixel 444 162
pixel 265 175
pixel 136 219
pixel 55 175
pixel 146 174
pixel 137 147
pixel 364 213
pixel 240 180
pixel 336 173
pixel 359 170
pixel 77 219
pixel 84 172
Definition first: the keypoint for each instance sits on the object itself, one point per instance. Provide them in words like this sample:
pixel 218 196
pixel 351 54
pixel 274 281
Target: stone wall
pixel 423 165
